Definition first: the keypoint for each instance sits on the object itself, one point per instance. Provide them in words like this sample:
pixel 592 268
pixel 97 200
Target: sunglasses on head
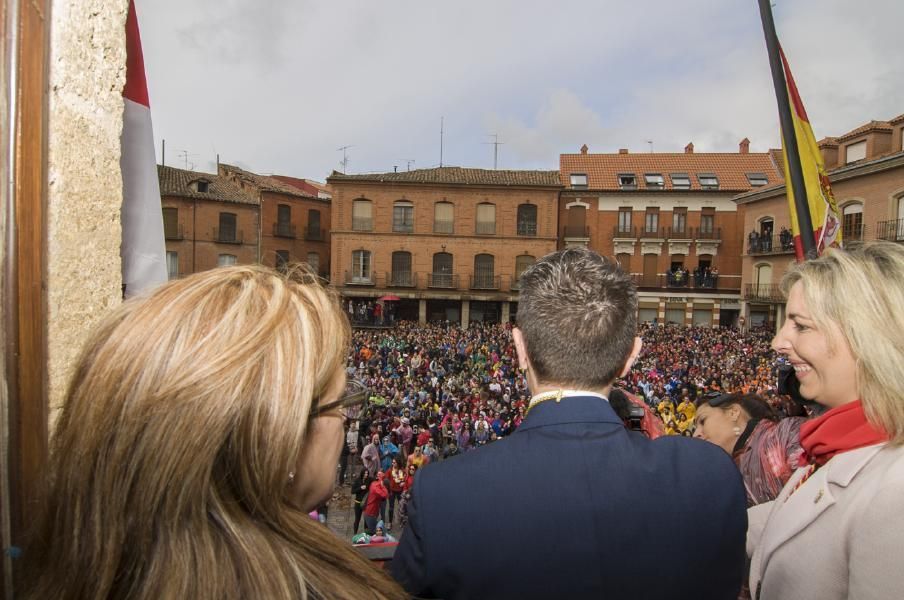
pixel 717 398
pixel 350 403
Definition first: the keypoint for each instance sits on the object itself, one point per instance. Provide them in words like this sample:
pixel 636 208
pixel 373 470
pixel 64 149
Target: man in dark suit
pixel 573 505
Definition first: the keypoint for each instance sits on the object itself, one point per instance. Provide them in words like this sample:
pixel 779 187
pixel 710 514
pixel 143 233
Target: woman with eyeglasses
pixel 765 448
pixel 836 529
pixel 202 424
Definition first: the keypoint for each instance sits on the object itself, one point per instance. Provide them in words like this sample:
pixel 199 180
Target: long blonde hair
pixel 861 290
pixel 169 465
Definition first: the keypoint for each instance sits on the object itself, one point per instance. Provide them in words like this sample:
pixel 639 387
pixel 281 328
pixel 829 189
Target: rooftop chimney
pixel 622 150
pixel 744 146
pixel 584 149
pixel 689 149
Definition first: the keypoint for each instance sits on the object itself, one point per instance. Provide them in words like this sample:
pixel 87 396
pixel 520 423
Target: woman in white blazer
pixel 836 529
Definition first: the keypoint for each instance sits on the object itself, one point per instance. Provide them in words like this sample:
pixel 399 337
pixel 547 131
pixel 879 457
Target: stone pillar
pixel 688 313
pixel 661 313
pixel 716 315
pixel 422 311
pixel 465 313
pixel 506 311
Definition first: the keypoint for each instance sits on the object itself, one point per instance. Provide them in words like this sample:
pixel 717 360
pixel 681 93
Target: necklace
pixel 557 395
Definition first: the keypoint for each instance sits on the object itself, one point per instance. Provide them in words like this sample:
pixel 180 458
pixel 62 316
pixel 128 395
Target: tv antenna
pixel 410 161
pixel 650 142
pixel 344 163
pixel 496 143
pixel 185 154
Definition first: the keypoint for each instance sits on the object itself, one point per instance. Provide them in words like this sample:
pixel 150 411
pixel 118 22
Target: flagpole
pixel 796 175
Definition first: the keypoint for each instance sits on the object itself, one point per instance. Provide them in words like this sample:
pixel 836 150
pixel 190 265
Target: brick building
pixel 450 242
pixel 669 220
pixel 295 218
pixel 866 168
pixel 208 221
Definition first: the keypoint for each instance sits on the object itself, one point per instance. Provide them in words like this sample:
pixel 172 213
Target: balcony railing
pixel 780 243
pixel 173 233
pixel 689 281
pixel 485 228
pixel 516 284
pixel 443 226
pixel 701 233
pixel 576 231
pixel 676 233
pixel 402 227
pixel 527 228
pixel 229 236
pixel 624 232
pixel 764 292
pixel 314 234
pixel 362 223
pixel 352 278
pixel 442 280
pixel 284 230
pixel 485 282
pixel 892 231
pixel 654 234
pixel 402 279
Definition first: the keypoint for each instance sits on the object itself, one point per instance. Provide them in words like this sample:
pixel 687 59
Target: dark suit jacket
pixel 572 505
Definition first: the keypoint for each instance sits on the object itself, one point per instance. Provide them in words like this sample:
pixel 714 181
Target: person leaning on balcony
pixel 203 423
pixel 836 529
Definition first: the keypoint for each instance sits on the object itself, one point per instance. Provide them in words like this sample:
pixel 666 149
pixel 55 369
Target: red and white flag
pixel 143 248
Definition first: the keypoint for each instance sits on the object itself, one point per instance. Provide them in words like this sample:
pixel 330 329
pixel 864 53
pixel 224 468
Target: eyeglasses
pixel 352 400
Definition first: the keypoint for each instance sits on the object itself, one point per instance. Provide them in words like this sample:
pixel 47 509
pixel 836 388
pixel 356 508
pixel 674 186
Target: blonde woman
pixel 202 424
pixel 836 529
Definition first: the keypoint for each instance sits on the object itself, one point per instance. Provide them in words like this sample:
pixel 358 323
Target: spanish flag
pixel 821 202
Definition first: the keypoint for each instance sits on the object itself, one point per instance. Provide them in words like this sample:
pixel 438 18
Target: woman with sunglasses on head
pixel 765 448
pixel 836 529
pixel 202 424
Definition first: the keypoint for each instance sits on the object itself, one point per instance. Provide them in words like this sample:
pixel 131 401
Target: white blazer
pixel 841 535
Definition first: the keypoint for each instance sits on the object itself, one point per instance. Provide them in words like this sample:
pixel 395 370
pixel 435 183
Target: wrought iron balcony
pixel 442 280
pixel 780 243
pixel 576 231
pixel 403 227
pixel 701 233
pixel 676 233
pixel 314 234
pixel 527 228
pixel 486 282
pixel 228 236
pixel 363 279
pixel 624 232
pixel 892 231
pixel 362 223
pixel 516 284
pixel 402 279
pixel 763 292
pixel 653 234
pixel 485 228
pixel 284 230
pixel 443 226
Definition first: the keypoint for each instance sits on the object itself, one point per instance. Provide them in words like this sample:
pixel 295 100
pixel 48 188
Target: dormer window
pixel 654 181
pixel 680 181
pixel 578 180
pixel 200 185
pixel 854 152
pixel 757 179
pixel 708 181
pixel 627 181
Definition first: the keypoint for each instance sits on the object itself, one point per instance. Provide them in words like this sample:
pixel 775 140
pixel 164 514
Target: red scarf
pixel 839 430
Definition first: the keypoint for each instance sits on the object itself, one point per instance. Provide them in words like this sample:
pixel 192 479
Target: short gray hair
pixel 578 314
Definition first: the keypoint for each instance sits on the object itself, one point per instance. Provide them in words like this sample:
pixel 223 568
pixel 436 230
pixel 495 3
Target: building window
pixel 401 268
pixel 486 219
pixel 522 263
pixel 443 217
pixel 172 265
pixel 527 219
pixel 403 217
pixel 679 220
pixel 624 262
pixel 442 270
pixel 361 266
pixel 225 260
pixel 171 223
pixel 852 221
pixel 707 220
pixel 200 185
pixel 227 232
pixel 651 221
pixel 314 261
pixel 708 181
pixel 654 181
pixel 627 181
pixel 757 179
pixel 284 221
pixel 624 219
pixel 680 181
pixel 314 231
pixel 578 180
pixel 282 260
pixel 362 215
pixel 855 152
pixel 577 222
pixel 484 272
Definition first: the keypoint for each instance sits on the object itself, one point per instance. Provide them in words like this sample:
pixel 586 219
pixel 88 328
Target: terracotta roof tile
pixel 265 183
pixel 602 170
pixel 177 182
pixel 884 126
pixel 896 120
pixel 457 175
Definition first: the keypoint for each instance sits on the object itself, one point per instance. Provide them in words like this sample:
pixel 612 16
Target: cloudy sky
pixel 278 86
